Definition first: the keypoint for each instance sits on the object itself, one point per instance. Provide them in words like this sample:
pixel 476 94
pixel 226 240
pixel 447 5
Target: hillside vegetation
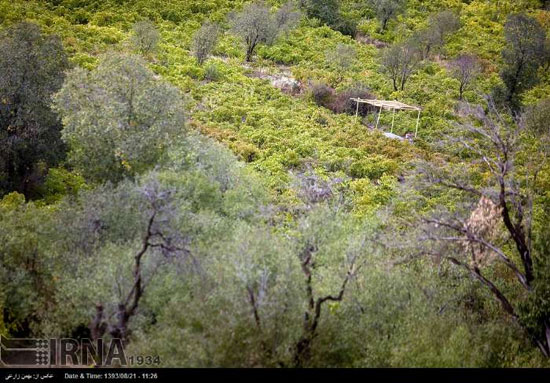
pixel 192 177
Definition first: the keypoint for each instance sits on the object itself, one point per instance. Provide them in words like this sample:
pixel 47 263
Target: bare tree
pixel 465 68
pixel 399 62
pixel 204 41
pixel 498 227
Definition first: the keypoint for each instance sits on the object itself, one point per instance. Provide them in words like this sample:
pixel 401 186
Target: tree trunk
pixel 543 342
pixel 384 24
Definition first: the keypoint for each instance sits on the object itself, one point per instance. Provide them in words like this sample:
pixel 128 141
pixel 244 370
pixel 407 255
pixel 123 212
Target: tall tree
pixel 525 39
pixel 32 68
pixel 118 118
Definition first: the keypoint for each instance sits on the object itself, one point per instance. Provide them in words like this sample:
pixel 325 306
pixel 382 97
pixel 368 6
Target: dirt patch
pixel 282 80
pixel 364 39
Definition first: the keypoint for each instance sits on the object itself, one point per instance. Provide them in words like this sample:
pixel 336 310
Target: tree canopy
pixel 31 70
pixel 119 118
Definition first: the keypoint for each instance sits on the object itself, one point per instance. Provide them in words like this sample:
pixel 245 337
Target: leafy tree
pixel 522 55
pixel 145 37
pixel 160 239
pixel 400 61
pixel 118 118
pixel 328 244
pixel 27 264
pixel 204 41
pixel 167 226
pixel 546 54
pixel 32 68
pixel 327 11
pixel 433 38
pixel 256 24
pixel 465 68
pixel 387 10
pixel 443 24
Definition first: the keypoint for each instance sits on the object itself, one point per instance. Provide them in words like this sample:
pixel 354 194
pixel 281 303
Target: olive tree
pixel 204 41
pixel 331 252
pixel 432 38
pixel 256 24
pixel 327 11
pixel 145 37
pixel 400 61
pixel 342 56
pixel 525 39
pixel 32 68
pixel 119 118
pixel 387 10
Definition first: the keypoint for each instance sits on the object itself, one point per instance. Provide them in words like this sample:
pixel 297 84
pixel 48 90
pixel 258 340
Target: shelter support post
pixel 378 119
pixel 417 123
pixel 392 121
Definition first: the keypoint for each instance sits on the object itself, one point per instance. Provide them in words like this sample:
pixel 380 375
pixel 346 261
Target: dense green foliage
pixel 203 188
pixel 31 68
pixel 118 118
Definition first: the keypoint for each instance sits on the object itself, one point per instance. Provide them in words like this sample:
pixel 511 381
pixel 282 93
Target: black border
pixel 303 375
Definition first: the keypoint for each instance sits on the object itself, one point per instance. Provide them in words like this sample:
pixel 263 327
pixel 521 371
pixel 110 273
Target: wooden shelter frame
pixel 388 105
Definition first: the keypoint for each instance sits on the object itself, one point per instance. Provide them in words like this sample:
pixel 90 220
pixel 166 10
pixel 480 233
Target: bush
pixel 145 37
pixel 212 73
pixel 322 94
pixel 342 103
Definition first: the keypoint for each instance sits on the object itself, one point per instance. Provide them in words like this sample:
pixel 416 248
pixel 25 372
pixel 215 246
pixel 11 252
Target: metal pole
pixel 392 121
pixel 357 110
pixel 378 119
pixel 417 123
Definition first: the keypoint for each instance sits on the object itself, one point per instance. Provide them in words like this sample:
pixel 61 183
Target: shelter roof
pixel 391 105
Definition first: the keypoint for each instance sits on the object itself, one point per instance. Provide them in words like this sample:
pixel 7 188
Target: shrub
pixel 212 73
pixel 322 94
pixel 342 103
pixel 145 37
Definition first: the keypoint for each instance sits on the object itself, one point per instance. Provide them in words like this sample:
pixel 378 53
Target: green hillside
pixel 227 212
